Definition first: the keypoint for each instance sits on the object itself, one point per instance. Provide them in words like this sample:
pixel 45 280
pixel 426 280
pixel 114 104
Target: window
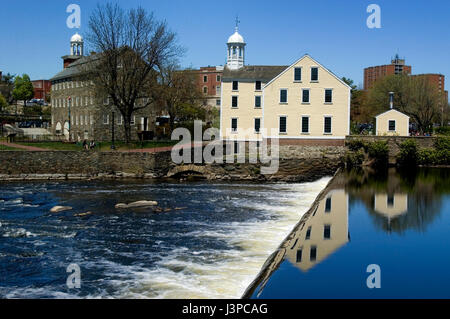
pixel 133 120
pixel 218 90
pixel 105 119
pixel 308 233
pixel 258 85
pixel 313 253
pixel 305 124
pixel 390 201
pixel 305 96
pixel 120 120
pixel 234 101
pixel 205 90
pixel 234 125
pixel 218 78
pixel 236 147
pixel 328 205
pixel 298 74
pixel 205 78
pixel 81 120
pixel 218 102
pixel 314 74
pixel 327 125
pixel 283 128
pixel 328 96
pixel 257 101
pixel 392 125
pixel 257 125
pixel 235 85
pixel 327 232
pixel 299 256
pixel 283 96
pixel 92 119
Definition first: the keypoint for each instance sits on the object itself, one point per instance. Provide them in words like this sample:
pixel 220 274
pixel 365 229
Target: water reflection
pixel 325 231
pixel 388 218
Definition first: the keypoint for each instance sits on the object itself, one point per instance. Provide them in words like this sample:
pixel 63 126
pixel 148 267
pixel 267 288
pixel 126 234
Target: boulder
pixel 139 204
pixel 58 209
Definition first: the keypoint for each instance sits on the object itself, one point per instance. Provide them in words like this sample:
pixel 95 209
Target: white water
pixel 228 273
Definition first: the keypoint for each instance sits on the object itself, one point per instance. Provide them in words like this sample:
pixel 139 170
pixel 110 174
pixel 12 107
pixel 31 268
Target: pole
pixel 391 99
pixel 113 147
pixel 70 120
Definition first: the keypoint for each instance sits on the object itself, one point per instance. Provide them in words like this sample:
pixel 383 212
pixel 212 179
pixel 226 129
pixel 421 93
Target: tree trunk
pixel 127 130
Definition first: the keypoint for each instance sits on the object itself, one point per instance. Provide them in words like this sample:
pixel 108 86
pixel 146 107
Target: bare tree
pixel 413 95
pixel 178 92
pixel 132 46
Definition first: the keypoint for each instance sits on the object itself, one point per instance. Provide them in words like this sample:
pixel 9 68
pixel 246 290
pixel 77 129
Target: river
pixel 210 241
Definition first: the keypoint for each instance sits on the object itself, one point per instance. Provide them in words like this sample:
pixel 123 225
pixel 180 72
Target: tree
pixel 7 86
pixel 358 110
pixel 178 94
pixel 133 46
pixel 414 96
pixel 23 89
pixel 3 102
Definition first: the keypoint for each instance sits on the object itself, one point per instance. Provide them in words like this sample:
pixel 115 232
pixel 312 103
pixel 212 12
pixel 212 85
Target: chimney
pixel 391 100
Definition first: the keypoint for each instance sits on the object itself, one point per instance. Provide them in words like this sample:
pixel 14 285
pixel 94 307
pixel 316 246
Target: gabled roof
pixel 392 110
pixel 251 73
pixel 304 57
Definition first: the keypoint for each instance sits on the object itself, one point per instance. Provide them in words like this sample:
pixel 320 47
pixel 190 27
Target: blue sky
pixel 34 35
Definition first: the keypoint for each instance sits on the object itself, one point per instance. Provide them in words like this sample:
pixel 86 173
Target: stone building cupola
pixel 77 45
pixel 76 50
pixel 235 50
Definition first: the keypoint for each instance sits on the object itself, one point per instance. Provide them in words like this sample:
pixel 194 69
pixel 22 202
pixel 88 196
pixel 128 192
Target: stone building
pixel 79 114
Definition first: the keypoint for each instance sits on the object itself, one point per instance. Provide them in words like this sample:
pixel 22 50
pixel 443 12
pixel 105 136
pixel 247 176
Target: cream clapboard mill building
pixel 303 103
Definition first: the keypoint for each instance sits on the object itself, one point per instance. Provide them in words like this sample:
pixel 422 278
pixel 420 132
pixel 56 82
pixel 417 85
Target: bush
pixel 408 155
pixel 354 159
pixel 379 151
pixel 442 143
pixel 444 130
pixel 426 156
pixel 356 145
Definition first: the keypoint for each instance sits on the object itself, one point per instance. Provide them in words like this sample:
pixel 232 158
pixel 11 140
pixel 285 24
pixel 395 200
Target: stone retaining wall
pixel 297 163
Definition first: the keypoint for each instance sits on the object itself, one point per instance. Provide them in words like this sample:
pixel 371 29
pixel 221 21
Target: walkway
pixel 24 147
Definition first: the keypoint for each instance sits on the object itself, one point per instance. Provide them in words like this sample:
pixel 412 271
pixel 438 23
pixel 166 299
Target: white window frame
pixel 395 126
pixel 237 100
pixel 301 74
pixel 325 95
pixel 309 124
pixel 234 131
pixel 287 96
pixel 318 77
pixel 331 125
pixel 309 95
pixel 279 124
pixel 105 119
pixel 254 125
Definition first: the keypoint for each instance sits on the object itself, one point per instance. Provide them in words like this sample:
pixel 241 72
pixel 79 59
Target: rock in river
pixel 139 204
pixel 58 209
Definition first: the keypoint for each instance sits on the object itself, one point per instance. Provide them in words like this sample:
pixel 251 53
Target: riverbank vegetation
pixel 411 155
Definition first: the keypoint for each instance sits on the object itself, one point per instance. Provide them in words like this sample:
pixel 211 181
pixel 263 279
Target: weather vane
pixel 237 22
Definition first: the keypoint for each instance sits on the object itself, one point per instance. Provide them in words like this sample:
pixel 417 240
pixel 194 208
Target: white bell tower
pixel 236 50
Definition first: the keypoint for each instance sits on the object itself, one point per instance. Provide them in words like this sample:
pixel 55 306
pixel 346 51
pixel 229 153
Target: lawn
pixel 8 148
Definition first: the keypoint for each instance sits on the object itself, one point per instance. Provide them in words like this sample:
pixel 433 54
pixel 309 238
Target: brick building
pixel 436 80
pixel 42 89
pixel 78 114
pixel 374 73
pixel 210 84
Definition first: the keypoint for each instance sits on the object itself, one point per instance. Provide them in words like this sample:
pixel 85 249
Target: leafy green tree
pixel 3 102
pixel 23 89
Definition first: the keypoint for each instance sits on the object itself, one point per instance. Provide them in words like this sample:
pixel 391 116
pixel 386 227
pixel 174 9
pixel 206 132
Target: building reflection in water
pixel 390 206
pixel 324 232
